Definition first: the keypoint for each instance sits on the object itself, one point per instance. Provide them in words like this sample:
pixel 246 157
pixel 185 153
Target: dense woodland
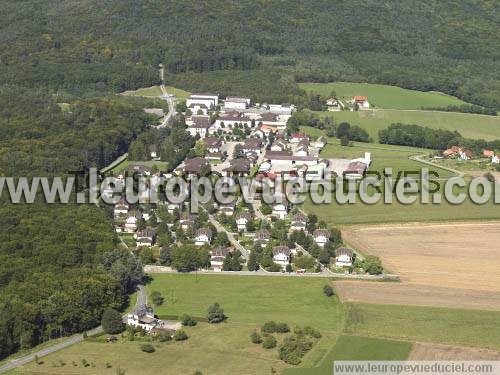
pixel 59 267
pixel 85 46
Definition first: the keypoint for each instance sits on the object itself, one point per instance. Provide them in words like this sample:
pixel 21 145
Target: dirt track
pixel 438 352
pixel 452 265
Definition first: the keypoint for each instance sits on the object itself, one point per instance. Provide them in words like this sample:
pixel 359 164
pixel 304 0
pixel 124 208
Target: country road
pixel 170 101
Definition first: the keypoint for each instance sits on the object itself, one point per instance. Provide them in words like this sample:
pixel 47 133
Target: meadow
pixel 468 125
pixel 368 332
pixel 474 328
pixel 356 348
pixel 251 300
pixel 383 96
pixel 397 158
pixel 156 91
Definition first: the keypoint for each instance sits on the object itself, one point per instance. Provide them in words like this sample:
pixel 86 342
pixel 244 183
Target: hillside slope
pixel 427 45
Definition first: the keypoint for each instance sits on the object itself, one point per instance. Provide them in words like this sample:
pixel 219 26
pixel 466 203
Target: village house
pixel 299 222
pixel 262 236
pixel 142 317
pixel 238 167
pixel 237 103
pixel 488 153
pixel 320 142
pixel 252 156
pixel 279 145
pixel 217 257
pixel 343 257
pixel 252 145
pixel 227 209
pixel 361 102
pixel 153 152
pixel 302 149
pixel 132 221
pixel 355 170
pixel 263 130
pixel 334 105
pixel 280 209
pixel 200 126
pixel 229 120
pixel 203 237
pixel 213 144
pixel 297 137
pixel 210 101
pixel 186 221
pixel 145 237
pixel 242 219
pixel 121 208
pixel 459 152
pixel 321 236
pixel 199 109
pixel 285 161
pixel 282 255
pixel 272 120
pixel 195 166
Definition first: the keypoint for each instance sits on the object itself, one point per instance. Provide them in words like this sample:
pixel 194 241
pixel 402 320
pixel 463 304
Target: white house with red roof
pixel 361 102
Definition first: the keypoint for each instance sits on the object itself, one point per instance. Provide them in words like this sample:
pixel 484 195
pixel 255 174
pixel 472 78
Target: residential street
pixel 234 242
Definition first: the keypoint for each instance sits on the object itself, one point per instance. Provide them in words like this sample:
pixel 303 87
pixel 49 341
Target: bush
pixel 157 298
pixel 294 347
pixel 111 321
pixel 187 320
pixel 180 335
pixel 148 348
pixel 256 338
pixel 269 342
pixel 328 290
pixel 215 314
pixel 282 328
pixel 269 327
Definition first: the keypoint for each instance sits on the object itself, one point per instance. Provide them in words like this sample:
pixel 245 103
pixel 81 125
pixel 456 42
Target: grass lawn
pixel 383 96
pixel 428 324
pixel 213 349
pixel 178 93
pixel 469 125
pixel 395 157
pixel 250 300
pixel 145 91
pixel 356 348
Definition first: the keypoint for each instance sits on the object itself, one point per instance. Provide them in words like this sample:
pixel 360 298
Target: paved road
pixel 234 242
pixel 261 272
pixel 43 352
pixel 170 101
pixel 142 296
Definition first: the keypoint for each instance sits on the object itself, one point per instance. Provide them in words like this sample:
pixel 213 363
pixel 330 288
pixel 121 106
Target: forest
pixel 83 47
pixel 59 267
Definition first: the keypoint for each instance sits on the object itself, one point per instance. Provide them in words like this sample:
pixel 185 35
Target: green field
pixel 382 96
pixel 428 324
pixel 397 158
pixel 156 91
pixel 357 348
pixel 250 300
pixel 370 332
pixel 469 125
pixel 178 93
pixel 145 91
